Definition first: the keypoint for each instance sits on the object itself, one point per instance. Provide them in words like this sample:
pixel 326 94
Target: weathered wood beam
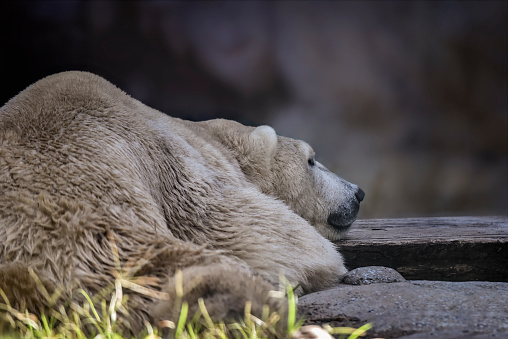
pixel 451 249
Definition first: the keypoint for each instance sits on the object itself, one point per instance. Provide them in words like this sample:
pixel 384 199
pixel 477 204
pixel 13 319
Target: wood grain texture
pixel 452 248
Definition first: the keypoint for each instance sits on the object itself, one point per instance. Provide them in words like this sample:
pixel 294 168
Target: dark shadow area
pixel 406 99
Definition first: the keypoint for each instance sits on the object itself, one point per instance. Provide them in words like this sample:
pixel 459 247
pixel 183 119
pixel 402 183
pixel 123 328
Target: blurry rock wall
pixel 406 99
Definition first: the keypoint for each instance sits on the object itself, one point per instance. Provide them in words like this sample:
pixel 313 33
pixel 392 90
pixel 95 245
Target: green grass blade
pixel 46 325
pixel 291 308
pixel 182 320
pixel 190 331
pixel 360 331
pixel 91 305
pixel 93 321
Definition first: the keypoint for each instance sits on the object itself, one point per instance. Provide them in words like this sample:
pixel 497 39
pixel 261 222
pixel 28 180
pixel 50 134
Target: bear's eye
pixel 311 161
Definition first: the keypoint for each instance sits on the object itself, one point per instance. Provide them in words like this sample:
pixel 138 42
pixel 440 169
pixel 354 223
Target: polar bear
pixel 86 170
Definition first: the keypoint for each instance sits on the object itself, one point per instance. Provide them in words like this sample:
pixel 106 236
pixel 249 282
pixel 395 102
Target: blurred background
pixel 407 99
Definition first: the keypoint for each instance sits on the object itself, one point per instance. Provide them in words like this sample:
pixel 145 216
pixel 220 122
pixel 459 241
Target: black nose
pixel 360 194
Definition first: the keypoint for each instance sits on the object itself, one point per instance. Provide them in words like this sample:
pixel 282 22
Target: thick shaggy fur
pixel 81 163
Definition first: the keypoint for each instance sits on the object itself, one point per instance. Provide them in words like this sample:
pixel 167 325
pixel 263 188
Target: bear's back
pixel 57 105
pixel 74 136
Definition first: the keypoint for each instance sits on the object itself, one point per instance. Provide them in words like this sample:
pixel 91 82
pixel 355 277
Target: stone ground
pixel 411 309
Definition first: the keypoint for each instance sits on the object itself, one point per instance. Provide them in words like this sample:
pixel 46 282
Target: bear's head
pixel 286 169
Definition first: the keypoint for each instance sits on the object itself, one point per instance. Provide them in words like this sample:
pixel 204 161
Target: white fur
pixel 80 160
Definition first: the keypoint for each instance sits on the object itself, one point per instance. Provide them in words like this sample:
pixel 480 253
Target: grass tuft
pixel 98 316
pixel 99 320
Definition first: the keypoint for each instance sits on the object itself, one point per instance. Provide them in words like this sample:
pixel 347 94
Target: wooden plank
pixel 452 248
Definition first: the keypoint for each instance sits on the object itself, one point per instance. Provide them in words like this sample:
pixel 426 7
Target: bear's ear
pixel 263 140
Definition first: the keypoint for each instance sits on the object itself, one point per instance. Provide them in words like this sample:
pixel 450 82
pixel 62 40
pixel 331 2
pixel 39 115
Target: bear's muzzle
pixel 346 215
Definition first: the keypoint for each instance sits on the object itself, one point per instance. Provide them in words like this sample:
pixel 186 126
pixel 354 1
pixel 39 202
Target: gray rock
pixel 453 335
pixel 371 275
pixel 418 309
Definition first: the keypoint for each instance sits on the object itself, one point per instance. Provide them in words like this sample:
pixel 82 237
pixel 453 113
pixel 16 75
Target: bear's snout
pixel 344 216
